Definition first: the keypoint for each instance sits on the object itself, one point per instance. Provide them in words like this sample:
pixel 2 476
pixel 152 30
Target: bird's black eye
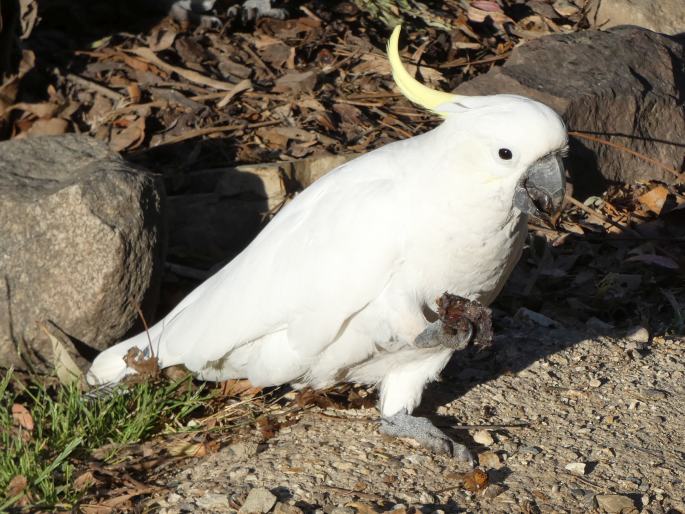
pixel 505 153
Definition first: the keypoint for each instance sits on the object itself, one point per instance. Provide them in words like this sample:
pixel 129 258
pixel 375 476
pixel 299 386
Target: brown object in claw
pixel 457 313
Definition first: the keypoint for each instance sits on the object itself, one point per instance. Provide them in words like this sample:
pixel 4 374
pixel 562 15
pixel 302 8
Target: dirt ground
pixel 567 416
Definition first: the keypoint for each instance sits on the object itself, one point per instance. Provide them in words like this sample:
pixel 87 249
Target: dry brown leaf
pixel 655 199
pixel 143 366
pixel 16 486
pixel 40 109
pixel 48 127
pixel 84 481
pixel 129 138
pixel 239 387
pixel 22 416
pixel 134 92
pixel 268 427
pixel 161 39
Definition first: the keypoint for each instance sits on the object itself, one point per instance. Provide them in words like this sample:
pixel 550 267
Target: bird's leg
pixel 403 424
pixel 254 9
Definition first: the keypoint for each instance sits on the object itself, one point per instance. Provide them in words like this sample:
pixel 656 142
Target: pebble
pixel 615 504
pixel 577 468
pixel 493 490
pixel 490 460
pixel 595 382
pixel 638 334
pixel 212 501
pixel 258 501
pixel 483 437
pixel 285 508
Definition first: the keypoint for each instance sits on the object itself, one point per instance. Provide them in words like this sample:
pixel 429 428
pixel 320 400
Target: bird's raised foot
pixel 460 322
pixel 425 433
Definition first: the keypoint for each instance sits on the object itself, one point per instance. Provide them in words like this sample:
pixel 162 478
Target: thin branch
pixel 623 148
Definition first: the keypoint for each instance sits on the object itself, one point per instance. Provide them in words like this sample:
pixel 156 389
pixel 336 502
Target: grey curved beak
pixel 540 192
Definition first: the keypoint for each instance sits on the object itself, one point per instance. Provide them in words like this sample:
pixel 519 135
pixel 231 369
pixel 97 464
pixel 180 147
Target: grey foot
pixel 437 334
pixel 425 433
pixel 252 10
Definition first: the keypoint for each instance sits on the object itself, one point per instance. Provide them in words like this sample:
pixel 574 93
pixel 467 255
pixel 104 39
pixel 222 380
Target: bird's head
pixel 498 138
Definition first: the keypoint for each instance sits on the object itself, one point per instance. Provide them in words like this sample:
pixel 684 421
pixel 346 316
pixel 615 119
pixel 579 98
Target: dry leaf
pixel 475 480
pixel 658 260
pixel 268 427
pixel 655 199
pixel 22 417
pixel 84 481
pixel 65 368
pixel 239 387
pixel 49 127
pixel 129 138
pixel 143 366
pixel 16 486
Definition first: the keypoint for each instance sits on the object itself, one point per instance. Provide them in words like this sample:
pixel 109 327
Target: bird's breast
pixel 469 259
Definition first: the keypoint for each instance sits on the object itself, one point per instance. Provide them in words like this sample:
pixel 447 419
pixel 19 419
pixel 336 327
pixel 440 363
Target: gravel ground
pixel 605 420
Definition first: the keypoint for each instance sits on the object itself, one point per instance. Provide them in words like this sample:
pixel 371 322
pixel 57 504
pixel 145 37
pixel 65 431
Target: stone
pixel 213 501
pixel 638 334
pixel 665 16
pixel 483 437
pixel 602 85
pixel 615 504
pixel 490 460
pixel 82 240
pixel 576 468
pixel 258 501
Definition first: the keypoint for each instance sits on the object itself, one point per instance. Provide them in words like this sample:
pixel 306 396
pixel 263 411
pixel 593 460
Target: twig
pixel 147 330
pixel 89 84
pixel 465 62
pixel 598 215
pixel 259 61
pixel 214 130
pixel 656 163
pixel 193 76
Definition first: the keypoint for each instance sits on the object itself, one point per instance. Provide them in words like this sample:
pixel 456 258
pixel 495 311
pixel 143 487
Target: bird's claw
pixel 426 434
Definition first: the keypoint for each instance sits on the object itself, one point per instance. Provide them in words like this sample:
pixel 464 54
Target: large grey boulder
pixel 626 85
pixel 81 243
pixel 665 16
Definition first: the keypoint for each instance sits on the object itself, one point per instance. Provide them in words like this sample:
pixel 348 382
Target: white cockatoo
pixel 338 286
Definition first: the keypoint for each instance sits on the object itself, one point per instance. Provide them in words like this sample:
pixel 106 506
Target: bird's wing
pixel 324 257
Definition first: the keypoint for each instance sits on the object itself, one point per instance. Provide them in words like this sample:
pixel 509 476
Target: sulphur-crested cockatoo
pixel 337 286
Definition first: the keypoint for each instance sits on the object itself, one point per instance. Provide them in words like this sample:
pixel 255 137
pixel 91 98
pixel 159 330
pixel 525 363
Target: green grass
pixel 67 427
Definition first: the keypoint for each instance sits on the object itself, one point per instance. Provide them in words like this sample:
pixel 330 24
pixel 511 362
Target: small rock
pixel 493 490
pixel 577 468
pixel 598 325
pixel 286 508
pixel 342 510
pixel 483 437
pixel 595 383
pixel 242 450
pixel 212 501
pixel 258 501
pixel 536 318
pixel 615 504
pixel 638 334
pixel 490 460
pixel 565 8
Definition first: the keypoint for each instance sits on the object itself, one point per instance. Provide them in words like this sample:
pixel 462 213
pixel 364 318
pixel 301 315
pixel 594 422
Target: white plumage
pixel 336 286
